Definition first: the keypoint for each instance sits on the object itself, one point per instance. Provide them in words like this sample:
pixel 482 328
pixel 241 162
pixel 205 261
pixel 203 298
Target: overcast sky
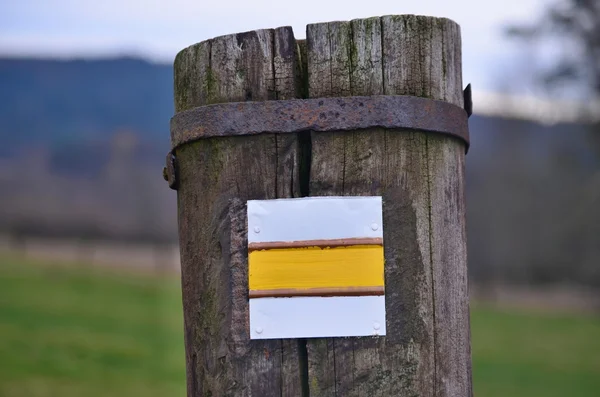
pixel 158 29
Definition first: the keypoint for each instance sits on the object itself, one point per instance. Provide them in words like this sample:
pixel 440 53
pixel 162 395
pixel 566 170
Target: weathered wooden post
pixel 384 116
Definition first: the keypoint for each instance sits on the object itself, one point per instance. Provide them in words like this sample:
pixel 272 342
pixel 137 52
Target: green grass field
pixel 75 331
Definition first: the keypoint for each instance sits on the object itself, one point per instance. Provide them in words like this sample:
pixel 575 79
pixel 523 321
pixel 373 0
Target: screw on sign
pixel 364 298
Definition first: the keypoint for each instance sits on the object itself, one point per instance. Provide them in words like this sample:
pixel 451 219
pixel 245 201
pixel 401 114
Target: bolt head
pixel 374 226
pixel 256 229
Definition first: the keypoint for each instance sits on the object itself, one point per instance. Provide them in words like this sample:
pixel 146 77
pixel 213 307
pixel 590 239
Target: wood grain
pixel 425 352
pixel 217 176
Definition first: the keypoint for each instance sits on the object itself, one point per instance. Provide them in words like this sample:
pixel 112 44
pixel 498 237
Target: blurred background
pixel 90 301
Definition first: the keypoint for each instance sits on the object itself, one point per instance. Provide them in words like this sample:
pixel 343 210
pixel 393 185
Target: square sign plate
pixel 316 267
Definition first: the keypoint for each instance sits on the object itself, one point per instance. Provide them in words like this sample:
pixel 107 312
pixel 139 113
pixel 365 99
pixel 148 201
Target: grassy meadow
pixel 79 331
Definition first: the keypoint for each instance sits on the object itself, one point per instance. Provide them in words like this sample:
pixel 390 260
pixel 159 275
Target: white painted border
pixel 314 218
pixel 317 317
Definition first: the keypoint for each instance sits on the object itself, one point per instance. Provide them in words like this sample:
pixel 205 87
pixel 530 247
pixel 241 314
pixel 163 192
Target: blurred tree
pixel 572 27
pixel 566 38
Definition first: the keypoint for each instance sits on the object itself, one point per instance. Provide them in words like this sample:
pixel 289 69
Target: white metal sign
pixel 316 267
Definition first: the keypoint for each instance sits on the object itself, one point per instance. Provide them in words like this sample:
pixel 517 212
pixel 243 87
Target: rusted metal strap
pixel 320 115
pixel 171 171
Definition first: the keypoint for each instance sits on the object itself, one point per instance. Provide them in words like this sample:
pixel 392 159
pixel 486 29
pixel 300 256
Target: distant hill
pixel 73 110
pixel 83 145
pixel 53 103
pixel 57 101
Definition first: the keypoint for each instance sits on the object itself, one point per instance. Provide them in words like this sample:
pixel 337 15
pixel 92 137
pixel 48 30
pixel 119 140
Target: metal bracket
pixel 468 100
pixel 171 171
pixel 397 112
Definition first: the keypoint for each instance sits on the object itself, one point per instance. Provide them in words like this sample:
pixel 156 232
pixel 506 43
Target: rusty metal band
pixel 320 115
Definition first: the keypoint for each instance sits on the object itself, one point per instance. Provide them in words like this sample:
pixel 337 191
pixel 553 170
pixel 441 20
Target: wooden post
pixel 421 177
pixel 216 177
pixel 426 351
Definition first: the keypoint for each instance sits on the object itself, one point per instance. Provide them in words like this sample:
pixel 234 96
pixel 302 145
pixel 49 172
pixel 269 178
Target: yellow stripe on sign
pixel 316 267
